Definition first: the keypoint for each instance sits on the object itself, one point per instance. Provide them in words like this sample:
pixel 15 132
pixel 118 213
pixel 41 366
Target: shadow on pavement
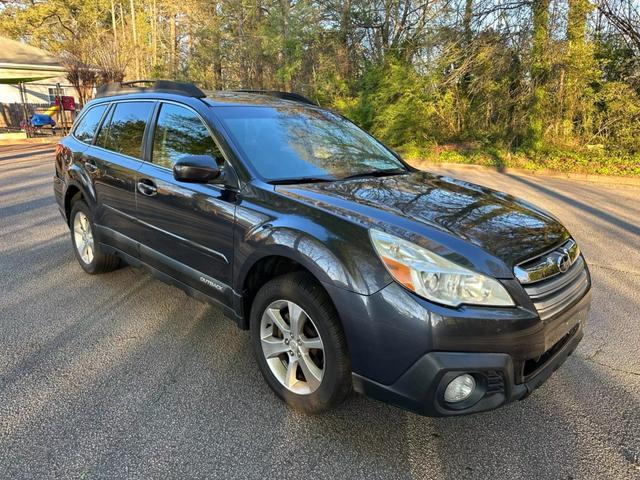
pixel 611 219
pixel 4 159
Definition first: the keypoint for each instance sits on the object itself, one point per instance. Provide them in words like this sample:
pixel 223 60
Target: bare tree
pixel 81 76
pixel 624 15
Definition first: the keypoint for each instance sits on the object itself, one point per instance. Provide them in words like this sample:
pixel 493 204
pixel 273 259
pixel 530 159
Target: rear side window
pixel 124 132
pixel 180 132
pixel 89 123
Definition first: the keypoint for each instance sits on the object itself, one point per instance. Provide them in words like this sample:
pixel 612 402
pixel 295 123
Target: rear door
pixel 187 228
pixel 113 162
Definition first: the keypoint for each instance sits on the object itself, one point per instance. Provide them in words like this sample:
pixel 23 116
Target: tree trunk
pixel 345 34
pixel 154 33
pixel 467 45
pixel 466 22
pixel 540 71
pixel 134 32
pixel 578 64
pixel 284 54
pixel 243 50
pixel 216 53
pixel 113 25
pixel 259 55
pixel 173 34
pixel 122 26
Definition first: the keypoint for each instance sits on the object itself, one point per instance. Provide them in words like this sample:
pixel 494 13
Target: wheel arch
pixel 302 246
pixel 262 268
pixel 77 182
pixel 71 195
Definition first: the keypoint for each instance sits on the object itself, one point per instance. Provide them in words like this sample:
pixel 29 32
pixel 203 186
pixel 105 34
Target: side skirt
pixel 168 279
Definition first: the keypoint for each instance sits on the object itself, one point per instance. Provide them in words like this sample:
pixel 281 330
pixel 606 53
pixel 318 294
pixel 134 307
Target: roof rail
pixel 150 86
pixel 296 97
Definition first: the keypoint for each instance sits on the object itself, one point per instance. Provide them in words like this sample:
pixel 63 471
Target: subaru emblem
pixel 563 262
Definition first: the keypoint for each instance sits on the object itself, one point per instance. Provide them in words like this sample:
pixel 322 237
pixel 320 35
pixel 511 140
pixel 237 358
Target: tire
pixel 86 248
pixel 329 382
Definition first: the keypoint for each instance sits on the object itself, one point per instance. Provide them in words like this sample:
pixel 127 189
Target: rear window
pixel 124 132
pixel 89 123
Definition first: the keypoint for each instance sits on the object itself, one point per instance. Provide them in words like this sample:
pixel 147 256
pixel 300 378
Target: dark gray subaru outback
pixel 349 268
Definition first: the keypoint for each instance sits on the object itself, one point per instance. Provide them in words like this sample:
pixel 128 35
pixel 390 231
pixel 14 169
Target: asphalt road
pixel 119 375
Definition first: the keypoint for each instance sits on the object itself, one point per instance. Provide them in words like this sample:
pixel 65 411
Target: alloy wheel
pixel 292 347
pixel 83 237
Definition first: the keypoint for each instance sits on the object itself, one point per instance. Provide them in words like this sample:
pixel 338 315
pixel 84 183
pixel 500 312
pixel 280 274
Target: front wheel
pixel 299 343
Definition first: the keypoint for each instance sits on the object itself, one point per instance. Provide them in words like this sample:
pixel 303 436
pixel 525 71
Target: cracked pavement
pixel 122 376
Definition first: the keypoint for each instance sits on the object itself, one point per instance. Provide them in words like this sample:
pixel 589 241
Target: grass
pixel 591 160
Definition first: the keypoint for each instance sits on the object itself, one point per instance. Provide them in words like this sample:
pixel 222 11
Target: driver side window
pixel 179 132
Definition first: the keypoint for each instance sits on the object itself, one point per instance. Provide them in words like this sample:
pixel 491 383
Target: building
pixel 38 71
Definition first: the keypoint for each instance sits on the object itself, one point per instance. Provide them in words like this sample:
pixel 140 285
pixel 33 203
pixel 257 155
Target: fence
pixel 17 110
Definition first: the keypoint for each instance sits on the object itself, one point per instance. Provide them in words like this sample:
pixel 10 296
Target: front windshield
pixel 298 142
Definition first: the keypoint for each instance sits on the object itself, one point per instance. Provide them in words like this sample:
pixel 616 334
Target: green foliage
pixel 617 118
pixel 394 104
pixel 593 160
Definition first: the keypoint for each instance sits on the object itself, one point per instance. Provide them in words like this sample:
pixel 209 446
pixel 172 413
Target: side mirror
pixel 196 169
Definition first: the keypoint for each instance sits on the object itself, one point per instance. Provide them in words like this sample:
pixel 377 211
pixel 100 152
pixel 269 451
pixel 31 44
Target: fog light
pixel 460 388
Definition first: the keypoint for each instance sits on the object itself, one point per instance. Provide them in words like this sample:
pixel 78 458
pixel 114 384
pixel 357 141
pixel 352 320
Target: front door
pixel 187 228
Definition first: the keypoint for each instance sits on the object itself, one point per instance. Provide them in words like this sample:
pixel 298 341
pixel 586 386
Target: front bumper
pixel 499 377
pixel 404 351
pixel 421 388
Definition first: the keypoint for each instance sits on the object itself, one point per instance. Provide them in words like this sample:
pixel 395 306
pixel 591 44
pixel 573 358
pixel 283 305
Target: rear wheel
pixel 299 344
pixel 87 250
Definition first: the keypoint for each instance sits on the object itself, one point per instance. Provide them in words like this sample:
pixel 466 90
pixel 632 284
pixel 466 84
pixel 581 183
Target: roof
pixel 17 52
pixel 20 62
pixel 186 89
pixel 221 98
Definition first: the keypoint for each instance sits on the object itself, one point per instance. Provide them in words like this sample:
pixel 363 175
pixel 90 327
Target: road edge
pixel 601 179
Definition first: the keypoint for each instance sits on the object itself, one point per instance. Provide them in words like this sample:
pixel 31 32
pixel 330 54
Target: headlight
pixel 434 277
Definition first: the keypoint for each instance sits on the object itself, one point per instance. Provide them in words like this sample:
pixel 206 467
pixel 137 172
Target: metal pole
pixel 24 108
pixel 62 115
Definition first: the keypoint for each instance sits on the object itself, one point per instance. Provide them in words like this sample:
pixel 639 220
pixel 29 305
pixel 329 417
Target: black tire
pixel 302 289
pixel 101 262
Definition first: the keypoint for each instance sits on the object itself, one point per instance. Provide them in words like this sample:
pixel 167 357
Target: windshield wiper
pixel 295 180
pixel 376 173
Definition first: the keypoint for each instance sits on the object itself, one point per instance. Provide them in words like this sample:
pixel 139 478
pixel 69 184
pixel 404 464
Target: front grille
pixel 556 294
pixel 559 291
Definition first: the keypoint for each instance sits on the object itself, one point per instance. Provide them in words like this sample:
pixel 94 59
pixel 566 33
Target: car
pixel 350 269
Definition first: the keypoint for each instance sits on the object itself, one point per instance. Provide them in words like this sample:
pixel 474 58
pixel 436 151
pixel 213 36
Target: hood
pixel 508 228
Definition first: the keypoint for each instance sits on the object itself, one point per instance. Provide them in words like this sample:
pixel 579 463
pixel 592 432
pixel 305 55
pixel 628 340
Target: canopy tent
pixel 23 63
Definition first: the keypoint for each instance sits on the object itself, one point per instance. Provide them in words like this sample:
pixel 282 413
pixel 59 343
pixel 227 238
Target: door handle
pixel 90 166
pixel 147 187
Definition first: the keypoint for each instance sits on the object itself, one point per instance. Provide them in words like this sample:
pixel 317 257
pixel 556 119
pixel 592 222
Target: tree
pixel 540 71
pixel 579 69
pixel 534 75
